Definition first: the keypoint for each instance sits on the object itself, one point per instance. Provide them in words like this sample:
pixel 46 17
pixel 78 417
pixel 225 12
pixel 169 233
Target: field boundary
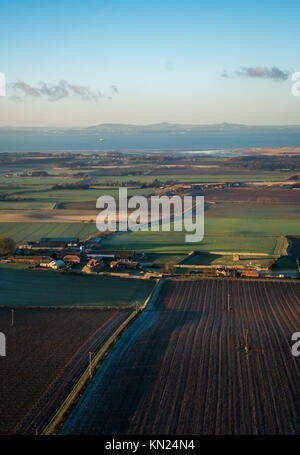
pixel 232 253
pixel 53 425
pixel 224 278
pixel 219 266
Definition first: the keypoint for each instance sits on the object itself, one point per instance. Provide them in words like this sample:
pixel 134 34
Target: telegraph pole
pixel 246 341
pixel 90 363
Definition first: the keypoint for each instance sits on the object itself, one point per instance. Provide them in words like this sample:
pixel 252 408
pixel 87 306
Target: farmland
pixel 253 211
pixel 246 219
pixel 23 232
pixel 228 227
pixel 215 259
pixel 183 357
pixel 267 196
pixel 204 177
pixel 47 351
pixel 26 205
pixel 194 363
pixel 174 242
pixel 74 195
pixel 32 288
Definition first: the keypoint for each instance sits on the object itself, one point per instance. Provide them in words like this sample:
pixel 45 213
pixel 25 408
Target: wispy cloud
pixel 26 89
pixel 225 74
pixel 55 92
pixel 115 89
pixel 260 72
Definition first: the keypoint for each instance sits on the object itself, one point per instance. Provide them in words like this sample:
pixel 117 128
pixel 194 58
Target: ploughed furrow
pixel 208 357
pixel 40 415
pixel 47 351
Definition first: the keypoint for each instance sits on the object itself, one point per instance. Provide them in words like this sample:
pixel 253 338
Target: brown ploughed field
pixel 46 352
pixel 258 195
pixel 200 362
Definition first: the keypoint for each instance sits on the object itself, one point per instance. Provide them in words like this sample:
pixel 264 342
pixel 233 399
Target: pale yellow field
pixel 53 216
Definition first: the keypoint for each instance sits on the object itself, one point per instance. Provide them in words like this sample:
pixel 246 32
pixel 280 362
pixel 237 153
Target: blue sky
pixel 147 62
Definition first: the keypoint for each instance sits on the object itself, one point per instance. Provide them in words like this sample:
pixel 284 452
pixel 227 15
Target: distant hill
pixel 171 128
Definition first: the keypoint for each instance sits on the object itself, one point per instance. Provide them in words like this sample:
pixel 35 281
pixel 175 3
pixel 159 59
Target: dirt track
pixel 190 365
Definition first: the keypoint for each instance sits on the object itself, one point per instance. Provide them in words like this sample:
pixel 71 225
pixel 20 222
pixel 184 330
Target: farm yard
pixel 47 351
pixel 33 288
pixel 200 362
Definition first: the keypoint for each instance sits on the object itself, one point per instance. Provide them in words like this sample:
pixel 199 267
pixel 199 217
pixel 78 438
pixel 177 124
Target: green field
pixel 162 259
pixel 257 229
pixel 19 287
pixel 19 184
pixel 47 180
pixel 80 195
pixel 22 232
pixel 174 242
pixel 215 259
pixel 20 189
pixel 251 227
pixel 26 205
pixel 200 178
pixel 221 234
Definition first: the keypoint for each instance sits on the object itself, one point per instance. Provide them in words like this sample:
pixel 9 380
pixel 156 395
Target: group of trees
pixel 71 186
pixel 7 246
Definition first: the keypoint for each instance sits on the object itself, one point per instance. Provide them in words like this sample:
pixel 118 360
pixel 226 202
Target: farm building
pixel 93 242
pixel 209 272
pixel 58 264
pixel 118 254
pixel 93 266
pixel 124 264
pixel 100 256
pixel 35 260
pixel 71 258
pixel 49 243
pixel 68 240
pixel 250 274
pixel 44 246
pixel 222 272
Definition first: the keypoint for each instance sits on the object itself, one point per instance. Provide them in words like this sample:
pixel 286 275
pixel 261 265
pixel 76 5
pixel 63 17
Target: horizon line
pixel 155 124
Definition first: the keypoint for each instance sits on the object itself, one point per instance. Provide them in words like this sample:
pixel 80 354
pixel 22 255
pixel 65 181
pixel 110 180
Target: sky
pixel 80 63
